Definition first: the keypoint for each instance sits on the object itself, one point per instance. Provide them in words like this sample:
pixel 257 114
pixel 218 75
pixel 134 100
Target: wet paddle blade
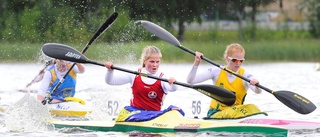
pixel 64 52
pixel 295 101
pixel 160 32
pixel 220 94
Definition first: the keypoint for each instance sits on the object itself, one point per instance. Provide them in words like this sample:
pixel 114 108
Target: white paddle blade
pixel 160 32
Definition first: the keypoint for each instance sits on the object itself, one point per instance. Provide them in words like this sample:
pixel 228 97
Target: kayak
pixel 69 108
pixel 267 120
pixel 173 121
pixel 72 107
pixel 286 123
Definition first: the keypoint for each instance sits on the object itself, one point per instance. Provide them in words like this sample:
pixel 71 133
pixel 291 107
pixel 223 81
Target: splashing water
pixel 106 106
pixel 28 115
pixel 42 58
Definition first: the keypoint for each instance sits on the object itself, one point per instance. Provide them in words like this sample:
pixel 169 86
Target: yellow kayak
pixel 173 121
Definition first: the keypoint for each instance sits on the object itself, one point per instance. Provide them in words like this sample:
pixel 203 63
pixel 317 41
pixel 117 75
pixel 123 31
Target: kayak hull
pixel 286 123
pixel 173 121
pixel 267 120
pixel 69 109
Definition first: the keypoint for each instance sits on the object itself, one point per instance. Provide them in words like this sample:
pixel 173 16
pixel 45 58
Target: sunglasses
pixel 236 60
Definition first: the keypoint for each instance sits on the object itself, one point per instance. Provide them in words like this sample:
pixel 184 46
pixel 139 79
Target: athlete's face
pixel 235 61
pixel 152 63
pixel 61 64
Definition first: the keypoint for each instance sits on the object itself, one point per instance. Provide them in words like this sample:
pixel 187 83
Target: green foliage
pixel 27 24
pixel 29 27
pixel 280 34
pixel 74 21
pixel 314 18
pixel 274 48
pixel 69 21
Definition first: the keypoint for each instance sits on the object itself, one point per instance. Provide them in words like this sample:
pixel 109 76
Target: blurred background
pixel 270 30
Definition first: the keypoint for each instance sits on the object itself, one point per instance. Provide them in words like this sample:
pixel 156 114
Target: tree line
pixel 75 20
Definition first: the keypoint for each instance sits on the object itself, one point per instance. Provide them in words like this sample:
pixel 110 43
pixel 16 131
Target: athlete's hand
pixel 108 65
pixel 171 80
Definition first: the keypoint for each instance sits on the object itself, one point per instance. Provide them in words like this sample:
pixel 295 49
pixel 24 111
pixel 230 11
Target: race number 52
pixel 196 107
pixel 113 107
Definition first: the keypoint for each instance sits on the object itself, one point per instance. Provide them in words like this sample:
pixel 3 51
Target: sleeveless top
pixel 66 88
pixel 147 96
pixel 235 86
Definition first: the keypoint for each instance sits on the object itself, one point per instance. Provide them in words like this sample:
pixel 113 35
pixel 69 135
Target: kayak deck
pixel 173 121
pixel 69 109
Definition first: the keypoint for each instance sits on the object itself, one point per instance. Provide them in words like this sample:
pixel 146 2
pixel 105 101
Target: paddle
pixel 68 53
pixel 293 100
pixel 34 80
pixel 102 28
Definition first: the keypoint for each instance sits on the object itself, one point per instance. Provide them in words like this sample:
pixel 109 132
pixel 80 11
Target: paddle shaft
pixel 141 74
pixel 102 28
pixel 224 68
pixel 33 80
pixel 199 88
pixel 41 71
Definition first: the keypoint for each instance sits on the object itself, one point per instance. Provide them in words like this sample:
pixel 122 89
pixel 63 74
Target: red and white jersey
pixel 147 96
pixel 147 93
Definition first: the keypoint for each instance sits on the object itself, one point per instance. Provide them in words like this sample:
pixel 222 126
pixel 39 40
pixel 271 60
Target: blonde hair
pixel 147 52
pixel 232 48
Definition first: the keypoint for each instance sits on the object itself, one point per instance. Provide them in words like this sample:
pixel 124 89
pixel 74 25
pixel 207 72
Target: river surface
pixel 27 116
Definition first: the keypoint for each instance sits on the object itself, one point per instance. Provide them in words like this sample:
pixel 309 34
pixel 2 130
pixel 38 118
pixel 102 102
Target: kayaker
pixel 147 94
pixel 52 77
pixel 234 56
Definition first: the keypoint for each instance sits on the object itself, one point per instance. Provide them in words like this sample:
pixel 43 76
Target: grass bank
pixel 306 50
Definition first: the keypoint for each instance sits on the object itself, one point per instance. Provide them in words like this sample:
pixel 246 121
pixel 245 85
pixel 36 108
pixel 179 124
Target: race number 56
pixel 196 107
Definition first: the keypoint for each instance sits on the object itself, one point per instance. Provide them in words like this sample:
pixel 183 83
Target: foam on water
pixel 27 115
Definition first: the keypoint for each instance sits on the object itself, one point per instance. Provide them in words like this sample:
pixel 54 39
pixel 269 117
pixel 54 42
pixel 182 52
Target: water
pixel 27 117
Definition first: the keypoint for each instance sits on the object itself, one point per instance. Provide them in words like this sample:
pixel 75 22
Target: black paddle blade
pixel 295 101
pixel 64 52
pixel 104 27
pixel 220 94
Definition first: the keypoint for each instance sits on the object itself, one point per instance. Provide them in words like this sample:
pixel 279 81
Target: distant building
pixel 292 10
pixel 292 16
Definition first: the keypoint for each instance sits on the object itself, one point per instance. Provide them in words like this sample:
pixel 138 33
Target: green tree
pixel 51 20
pixel 168 11
pixel 13 11
pixel 235 10
pixel 254 4
pixel 314 16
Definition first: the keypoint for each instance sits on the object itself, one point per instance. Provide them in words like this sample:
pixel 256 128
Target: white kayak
pixel 268 120
pixel 72 107
pixel 69 109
